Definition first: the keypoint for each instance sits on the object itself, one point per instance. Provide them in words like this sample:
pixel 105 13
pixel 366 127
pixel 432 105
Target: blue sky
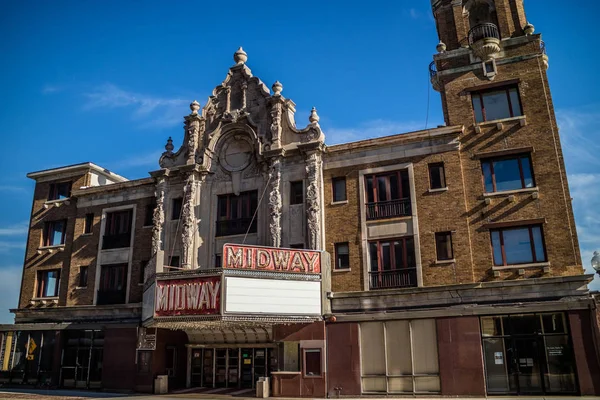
pixel 109 81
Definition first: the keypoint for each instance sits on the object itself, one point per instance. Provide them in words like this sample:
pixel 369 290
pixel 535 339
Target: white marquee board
pixel 272 296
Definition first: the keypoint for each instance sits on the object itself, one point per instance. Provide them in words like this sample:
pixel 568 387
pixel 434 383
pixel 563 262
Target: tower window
pixel 496 104
pixel 507 173
pixel 59 191
pixel 296 192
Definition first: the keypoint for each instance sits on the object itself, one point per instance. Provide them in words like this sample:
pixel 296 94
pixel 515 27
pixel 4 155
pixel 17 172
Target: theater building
pixel 437 262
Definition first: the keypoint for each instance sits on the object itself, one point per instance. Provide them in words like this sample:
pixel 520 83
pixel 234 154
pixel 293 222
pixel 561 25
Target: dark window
pixel 443 246
pixel 437 176
pixel 235 213
pixel 144 361
pixel 113 279
pixel 218 261
pixel 342 256
pixel 117 231
pixel 89 223
pixel 392 263
pixel 149 214
pixel 83 276
pixel 173 262
pixel 59 191
pixel 339 189
pixel 54 233
pixel 297 192
pixel 496 104
pixel 520 245
pixel 297 246
pixel 507 173
pixel 176 208
pixel 388 195
pixel 48 283
pixel 312 362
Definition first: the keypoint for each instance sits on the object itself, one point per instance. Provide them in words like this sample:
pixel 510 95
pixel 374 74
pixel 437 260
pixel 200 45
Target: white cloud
pixel 140 160
pixel 578 134
pixel 10 285
pixel 414 14
pixel 368 130
pixel 6 247
pixel 155 112
pixel 14 230
pixel 12 188
pixel 49 89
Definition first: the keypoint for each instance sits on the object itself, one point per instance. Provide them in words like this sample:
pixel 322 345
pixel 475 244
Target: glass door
pixel 527 365
pixel 247 367
pixel 233 368
pixel 196 368
pixel 221 368
pixel 260 363
pixel 208 366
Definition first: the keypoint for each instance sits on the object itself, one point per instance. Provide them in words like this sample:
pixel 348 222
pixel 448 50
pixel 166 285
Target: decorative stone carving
pixel 188 222
pixel 158 219
pixel 276 111
pixel 313 206
pixel 275 202
pixel 240 56
pixel 193 128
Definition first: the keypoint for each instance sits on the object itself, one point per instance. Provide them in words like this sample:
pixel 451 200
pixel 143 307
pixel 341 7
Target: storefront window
pixel 387 351
pixel 312 362
pixel 529 353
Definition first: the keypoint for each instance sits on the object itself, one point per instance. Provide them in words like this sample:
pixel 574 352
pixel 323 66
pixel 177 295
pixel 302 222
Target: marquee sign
pixel 276 259
pixel 193 296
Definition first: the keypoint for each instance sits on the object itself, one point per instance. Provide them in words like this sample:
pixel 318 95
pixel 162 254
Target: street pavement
pixel 41 394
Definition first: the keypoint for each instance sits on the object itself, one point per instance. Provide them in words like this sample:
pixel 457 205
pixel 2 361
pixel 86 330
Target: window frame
pixel 53 190
pixel 83 283
pixel 106 286
pixel 402 239
pixel 295 196
pixel 518 157
pixel 88 224
pixel 41 283
pixel 337 266
pixel 399 173
pixel 334 193
pixel 506 89
pixel 48 233
pixel 531 244
pixel 176 202
pixel 442 170
pixel 312 350
pixel 446 234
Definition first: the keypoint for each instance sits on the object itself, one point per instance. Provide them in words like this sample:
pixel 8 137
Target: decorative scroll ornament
pixel 188 219
pixel 158 219
pixel 275 202
pixel 313 206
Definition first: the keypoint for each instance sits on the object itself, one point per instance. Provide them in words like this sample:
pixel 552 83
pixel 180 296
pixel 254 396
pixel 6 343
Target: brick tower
pixel 491 72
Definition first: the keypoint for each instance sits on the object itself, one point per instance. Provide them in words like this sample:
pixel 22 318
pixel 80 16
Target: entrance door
pixel 526 364
pixel 247 368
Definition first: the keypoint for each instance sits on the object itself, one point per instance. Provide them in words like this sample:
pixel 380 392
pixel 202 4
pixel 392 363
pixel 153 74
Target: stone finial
pixel 240 56
pixel 169 146
pixel 194 106
pixel 314 117
pixel 277 88
pixel 441 47
pixel 529 28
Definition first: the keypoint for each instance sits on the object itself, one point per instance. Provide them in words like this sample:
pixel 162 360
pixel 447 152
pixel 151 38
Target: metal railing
pixel 432 70
pixel 106 297
pixel 235 226
pixel 483 31
pixel 116 241
pixel 400 278
pixel 388 209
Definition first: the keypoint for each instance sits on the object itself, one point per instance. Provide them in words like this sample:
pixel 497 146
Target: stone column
pixel 188 222
pixel 194 125
pixel 313 199
pixel 275 202
pixel 276 113
pixel 158 219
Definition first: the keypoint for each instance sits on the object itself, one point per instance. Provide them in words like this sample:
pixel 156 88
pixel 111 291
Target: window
pixel 113 279
pixel 143 266
pixel 83 276
pixel 48 283
pixel 522 245
pixel 173 261
pixel 88 224
pixel 437 176
pixel 388 195
pixel 54 233
pixel 149 214
pixel 507 173
pixel 59 191
pixel 218 261
pixel 399 357
pixel 392 264
pixel 443 246
pixel 176 208
pixel 342 256
pixel 144 361
pixel 117 231
pixel 297 246
pixel 496 104
pixel 296 192
pixel 339 189
pixel 235 213
pixel 312 362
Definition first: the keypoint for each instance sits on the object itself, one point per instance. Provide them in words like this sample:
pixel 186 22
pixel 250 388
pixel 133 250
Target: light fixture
pixel 596 262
